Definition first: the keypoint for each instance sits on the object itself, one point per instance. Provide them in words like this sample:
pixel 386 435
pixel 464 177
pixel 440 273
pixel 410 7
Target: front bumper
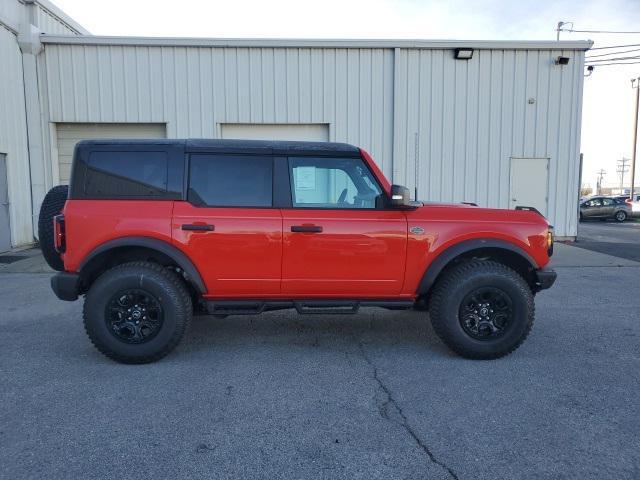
pixel 545 278
pixel 65 285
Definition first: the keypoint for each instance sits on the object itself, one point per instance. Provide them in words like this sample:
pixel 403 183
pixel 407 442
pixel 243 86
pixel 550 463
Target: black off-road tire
pixel 52 205
pixel 167 288
pixel 460 281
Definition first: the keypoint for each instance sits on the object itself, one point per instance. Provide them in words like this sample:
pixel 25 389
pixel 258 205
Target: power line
pixel 613 53
pixel 595 62
pixel 617 46
pixel 597 31
pixel 615 63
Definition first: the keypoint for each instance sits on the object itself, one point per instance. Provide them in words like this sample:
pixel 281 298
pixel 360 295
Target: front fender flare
pixel 442 260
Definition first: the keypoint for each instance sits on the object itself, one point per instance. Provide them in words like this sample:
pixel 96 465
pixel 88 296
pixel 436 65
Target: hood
pixel 470 212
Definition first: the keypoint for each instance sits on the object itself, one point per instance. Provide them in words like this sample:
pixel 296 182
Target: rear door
pixel 336 241
pixel 229 226
pixel 609 206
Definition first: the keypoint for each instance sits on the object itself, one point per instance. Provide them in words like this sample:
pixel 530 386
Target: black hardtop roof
pixel 277 147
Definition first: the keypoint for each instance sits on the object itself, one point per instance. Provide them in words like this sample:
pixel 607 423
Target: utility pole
pixel 558 30
pixel 622 169
pixel 601 173
pixel 635 83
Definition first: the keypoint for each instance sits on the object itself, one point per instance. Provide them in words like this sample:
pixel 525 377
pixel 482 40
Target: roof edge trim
pixel 317 43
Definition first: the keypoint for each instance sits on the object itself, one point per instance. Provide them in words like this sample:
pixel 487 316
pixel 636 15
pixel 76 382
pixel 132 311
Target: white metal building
pixel 499 129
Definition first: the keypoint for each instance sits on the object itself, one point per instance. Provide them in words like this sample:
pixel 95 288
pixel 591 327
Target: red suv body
pixel 248 226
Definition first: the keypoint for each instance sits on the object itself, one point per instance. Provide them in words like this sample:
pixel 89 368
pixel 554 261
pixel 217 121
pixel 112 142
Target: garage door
pixel 314 132
pixel 71 133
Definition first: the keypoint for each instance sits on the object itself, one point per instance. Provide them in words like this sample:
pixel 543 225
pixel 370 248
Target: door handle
pixel 198 227
pixel 306 228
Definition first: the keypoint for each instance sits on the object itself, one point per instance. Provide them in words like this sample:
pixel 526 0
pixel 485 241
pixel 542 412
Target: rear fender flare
pixel 443 259
pixel 161 246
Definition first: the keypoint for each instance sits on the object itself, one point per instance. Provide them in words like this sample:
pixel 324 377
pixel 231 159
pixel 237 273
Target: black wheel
pixel 137 312
pixel 482 309
pixel 52 205
pixel 621 216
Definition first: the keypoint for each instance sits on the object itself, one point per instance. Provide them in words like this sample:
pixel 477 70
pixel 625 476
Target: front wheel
pixel 482 309
pixel 137 312
pixel 621 216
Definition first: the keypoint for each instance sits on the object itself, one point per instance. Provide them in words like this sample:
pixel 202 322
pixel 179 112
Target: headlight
pixel 550 240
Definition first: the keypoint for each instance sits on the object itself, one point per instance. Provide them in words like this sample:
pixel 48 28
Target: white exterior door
pixel 313 132
pixel 71 133
pixel 529 183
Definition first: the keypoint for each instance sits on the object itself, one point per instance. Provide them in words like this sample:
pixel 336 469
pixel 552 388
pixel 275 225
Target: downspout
pixel 30 46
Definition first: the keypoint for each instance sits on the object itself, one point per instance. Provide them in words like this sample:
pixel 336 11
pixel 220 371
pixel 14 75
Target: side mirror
pixel 400 196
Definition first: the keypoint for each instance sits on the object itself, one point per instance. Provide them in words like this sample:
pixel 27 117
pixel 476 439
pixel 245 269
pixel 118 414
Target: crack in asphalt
pixel 403 422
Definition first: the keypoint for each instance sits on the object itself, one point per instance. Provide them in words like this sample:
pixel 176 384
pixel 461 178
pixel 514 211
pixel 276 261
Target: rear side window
pixel 126 174
pixel 231 181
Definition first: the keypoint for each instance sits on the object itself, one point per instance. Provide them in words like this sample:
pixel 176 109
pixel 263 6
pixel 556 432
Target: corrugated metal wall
pixel 17 16
pixel 193 90
pixel 466 119
pixel 13 138
pixel 49 23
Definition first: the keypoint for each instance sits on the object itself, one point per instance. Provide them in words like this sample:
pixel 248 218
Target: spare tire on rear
pixel 52 205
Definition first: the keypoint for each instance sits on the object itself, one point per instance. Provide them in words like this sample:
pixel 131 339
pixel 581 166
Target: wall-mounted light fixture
pixel 562 61
pixel 463 53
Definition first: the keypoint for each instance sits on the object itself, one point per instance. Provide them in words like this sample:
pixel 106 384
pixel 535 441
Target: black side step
pixel 342 307
pixel 326 306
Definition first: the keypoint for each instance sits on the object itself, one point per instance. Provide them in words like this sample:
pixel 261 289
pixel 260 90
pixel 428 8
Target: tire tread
pixel 181 295
pixel 443 289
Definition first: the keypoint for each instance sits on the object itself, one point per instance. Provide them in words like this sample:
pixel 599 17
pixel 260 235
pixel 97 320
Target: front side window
pixel 231 181
pixel 126 174
pixel 332 183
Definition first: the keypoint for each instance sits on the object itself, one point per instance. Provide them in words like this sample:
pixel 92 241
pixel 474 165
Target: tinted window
pixel 608 202
pixel 332 183
pixel 231 181
pixel 126 174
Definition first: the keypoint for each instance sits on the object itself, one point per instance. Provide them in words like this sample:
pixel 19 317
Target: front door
pixel 5 230
pixel 529 183
pixel 229 227
pixel 592 208
pixel 336 242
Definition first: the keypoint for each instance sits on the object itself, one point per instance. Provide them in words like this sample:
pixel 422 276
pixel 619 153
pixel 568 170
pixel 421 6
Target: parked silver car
pixel 605 207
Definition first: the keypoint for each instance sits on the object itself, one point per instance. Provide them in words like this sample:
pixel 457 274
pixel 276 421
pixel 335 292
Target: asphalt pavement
pixel 619 239
pixel 368 396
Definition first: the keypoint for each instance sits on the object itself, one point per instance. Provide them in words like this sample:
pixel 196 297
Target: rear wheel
pixel 137 312
pixel 482 309
pixel 621 216
pixel 52 205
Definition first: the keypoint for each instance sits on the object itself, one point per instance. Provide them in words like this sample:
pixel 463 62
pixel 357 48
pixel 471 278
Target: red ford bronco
pixel 152 231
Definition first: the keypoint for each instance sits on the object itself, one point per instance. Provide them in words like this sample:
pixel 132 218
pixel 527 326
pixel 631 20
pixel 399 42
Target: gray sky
pixel 608 97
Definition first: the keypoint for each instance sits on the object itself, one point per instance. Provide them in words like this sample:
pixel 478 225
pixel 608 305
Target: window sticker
pixel 305 178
